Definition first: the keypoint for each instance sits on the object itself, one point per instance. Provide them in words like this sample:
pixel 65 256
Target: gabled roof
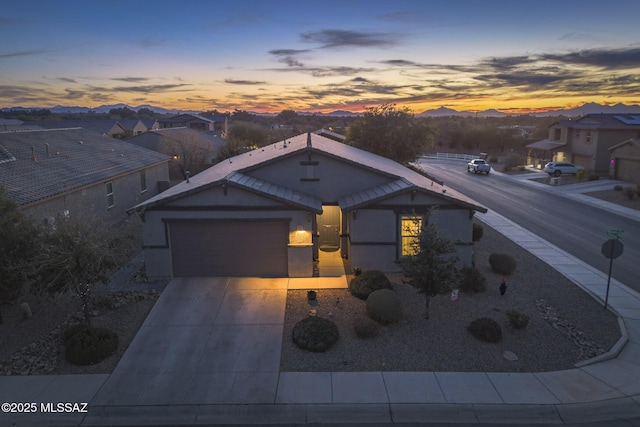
pixel 183 117
pixel 48 162
pixel 276 192
pixel 103 126
pixel 157 139
pixel 315 143
pixel 374 194
pixel 632 141
pixel 546 144
pixel 602 121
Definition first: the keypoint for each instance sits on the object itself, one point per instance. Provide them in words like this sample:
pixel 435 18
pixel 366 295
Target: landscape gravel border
pixel 442 344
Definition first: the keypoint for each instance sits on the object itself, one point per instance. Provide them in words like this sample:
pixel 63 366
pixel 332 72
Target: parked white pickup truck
pixel 478 166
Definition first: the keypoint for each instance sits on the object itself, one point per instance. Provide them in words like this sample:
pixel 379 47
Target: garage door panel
pixel 229 248
pixel 628 170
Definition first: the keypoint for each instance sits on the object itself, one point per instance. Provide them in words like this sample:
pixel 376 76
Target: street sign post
pixel 612 249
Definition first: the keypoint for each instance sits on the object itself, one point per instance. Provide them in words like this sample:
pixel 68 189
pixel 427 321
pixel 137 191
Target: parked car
pixel 558 168
pixel 478 166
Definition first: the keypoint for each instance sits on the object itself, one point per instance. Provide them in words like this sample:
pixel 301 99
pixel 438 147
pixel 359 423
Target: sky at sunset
pixel 268 56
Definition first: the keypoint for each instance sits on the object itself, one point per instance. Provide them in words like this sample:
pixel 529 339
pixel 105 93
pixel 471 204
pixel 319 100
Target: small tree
pixel 79 254
pixel 19 240
pixel 432 270
pixel 391 132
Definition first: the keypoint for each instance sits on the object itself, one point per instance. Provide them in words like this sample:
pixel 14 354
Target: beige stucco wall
pixel 336 179
pixel 374 236
pixel 92 200
pixel 156 227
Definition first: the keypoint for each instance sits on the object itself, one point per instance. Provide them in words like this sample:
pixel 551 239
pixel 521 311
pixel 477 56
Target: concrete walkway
pixel 215 363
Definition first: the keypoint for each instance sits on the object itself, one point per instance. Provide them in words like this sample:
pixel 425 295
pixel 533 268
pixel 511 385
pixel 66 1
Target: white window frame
pixel 143 181
pixel 111 201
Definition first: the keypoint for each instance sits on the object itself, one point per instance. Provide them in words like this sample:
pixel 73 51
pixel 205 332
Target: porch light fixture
pixel 354 213
pixel 308 216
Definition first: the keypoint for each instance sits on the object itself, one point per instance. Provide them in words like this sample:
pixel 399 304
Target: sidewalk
pixel 602 389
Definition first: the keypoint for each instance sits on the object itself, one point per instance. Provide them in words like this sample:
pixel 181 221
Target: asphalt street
pixel 576 228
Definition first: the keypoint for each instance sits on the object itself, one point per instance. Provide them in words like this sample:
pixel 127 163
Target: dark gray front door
pixel 329 228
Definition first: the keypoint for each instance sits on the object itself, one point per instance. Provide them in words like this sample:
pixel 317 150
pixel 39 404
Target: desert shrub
pixel 315 334
pixel 618 188
pixel 71 331
pixel 384 306
pixel 371 280
pixel 472 280
pixel 630 192
pixel 493 159
pixel 478 232
pixel 517 320
pixel 594 177
pixel 91 345
pixel 580 174
pixel 513 161
pixel 365 327
pixel 485 329
pixel 503 264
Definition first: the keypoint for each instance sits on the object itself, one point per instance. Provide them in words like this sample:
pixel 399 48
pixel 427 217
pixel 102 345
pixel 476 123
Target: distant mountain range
pixel 589 108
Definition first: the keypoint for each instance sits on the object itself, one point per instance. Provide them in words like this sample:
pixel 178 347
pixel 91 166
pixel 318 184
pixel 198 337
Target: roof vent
pixel 33 154
pixel 80 142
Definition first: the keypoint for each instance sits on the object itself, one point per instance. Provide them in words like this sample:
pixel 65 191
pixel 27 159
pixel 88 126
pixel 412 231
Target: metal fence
pixel 456 156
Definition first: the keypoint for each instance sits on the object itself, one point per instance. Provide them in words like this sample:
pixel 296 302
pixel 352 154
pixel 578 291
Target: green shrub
pixel 90 345
pixel 630 192
pixel 518 320
pixel 472 280
pixel 315 334
pixel 371 280
pixel 384 306
pixel 71 331
pixel 365 327
pixel 478 232
pixel 502 264
pixel 618 188
pixel 485 329
pixel 580 174
pixel 594 177
pixel 513 161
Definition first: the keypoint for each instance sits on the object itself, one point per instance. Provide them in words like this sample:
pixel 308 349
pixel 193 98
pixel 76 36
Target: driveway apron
pixel 207 340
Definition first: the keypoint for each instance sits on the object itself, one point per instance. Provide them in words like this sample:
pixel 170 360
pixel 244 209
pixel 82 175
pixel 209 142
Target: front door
pixel 329 228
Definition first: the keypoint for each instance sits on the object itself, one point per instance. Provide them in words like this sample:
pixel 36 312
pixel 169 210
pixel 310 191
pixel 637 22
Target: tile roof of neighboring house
pixel 162 139
pixel 603 121
pixel 99 125
pixel 546 144
pixel 182 117
pixel 632 141
pixel 316 143
pixel 65 159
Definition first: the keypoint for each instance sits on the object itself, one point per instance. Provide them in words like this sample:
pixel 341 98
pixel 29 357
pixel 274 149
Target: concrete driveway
pixel 207 340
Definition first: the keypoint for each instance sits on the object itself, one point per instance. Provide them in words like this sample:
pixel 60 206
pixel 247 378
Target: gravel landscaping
pixel 566 325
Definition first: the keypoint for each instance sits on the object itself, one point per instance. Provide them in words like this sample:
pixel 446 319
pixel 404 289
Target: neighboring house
pixel 269 211
pixel 58 172
pixel 586 141
pixel 133 126
pixel 107 127
pixel 194 121
pixel 190 150
pixel 330 134
pixel 625 161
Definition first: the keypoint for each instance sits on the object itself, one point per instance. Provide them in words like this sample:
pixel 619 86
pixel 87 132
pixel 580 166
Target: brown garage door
pixel 229 248
pixel 628 170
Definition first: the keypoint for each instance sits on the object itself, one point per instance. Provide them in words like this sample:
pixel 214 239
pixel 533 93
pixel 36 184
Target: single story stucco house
pixel 267 213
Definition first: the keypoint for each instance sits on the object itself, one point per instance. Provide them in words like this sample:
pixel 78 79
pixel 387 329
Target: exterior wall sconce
pixel 354 214
pixel 308 216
